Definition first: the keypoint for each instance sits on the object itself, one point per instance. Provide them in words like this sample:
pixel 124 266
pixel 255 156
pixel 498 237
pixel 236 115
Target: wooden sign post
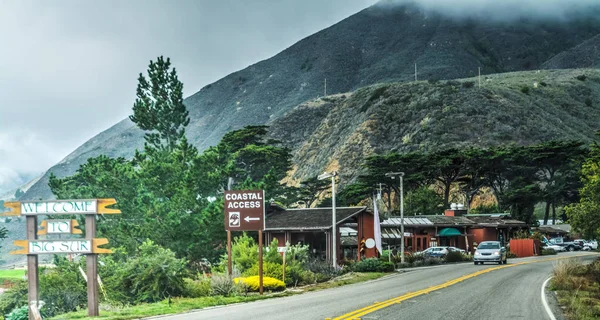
pixel 245 211
pixel 33 247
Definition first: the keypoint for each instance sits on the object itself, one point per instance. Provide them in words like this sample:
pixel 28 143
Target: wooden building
pixel 455 228
pixel 313 226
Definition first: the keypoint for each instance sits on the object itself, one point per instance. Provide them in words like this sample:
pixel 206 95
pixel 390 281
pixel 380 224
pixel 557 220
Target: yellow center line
pixel 383 304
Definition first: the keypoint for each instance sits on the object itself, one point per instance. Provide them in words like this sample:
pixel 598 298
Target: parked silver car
pixel 490 251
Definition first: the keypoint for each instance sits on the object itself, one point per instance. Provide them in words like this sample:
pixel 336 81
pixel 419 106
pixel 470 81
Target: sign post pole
pixel 260 261
pixel 91 262
pixel 229 267
pixel 32 268
pixel 283 271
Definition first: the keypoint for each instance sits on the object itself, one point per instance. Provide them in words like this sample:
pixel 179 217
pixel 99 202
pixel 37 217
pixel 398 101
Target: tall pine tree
pixel 159 106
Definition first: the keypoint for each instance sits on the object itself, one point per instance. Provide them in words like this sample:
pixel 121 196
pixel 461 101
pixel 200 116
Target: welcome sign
pixel 63 246
pixel 82 246
pixel 59 207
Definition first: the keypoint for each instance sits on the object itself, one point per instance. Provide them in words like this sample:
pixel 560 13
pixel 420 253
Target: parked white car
pixel 588 245
pixel 592 244
pixel 555 247
pixel 438 252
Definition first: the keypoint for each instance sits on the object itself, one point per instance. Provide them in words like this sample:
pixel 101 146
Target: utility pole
pixel 401 175
pixel 332 175
pixel 415 71
pixel 479 77
pixel 325 87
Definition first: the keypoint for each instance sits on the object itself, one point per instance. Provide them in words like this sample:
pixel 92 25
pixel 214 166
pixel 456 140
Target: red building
pixel 455 228
pixel 313 226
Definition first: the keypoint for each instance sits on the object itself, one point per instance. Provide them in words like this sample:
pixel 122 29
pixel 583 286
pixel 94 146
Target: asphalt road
pixel 510 292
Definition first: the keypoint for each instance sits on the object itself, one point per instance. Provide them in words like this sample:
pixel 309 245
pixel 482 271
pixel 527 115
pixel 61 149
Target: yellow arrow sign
pixel 86 206
pixel 15 208
pixel 83 246
pixel 59 227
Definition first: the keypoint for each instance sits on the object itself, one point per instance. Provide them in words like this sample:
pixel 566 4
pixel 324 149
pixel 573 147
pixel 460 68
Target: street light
pixel 324 176
pixel 401 175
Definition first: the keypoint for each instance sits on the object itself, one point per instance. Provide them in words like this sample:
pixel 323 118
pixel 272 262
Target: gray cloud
pixel 68 68
pixel 505 10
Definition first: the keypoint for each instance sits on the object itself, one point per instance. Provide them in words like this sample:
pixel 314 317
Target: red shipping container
pixel 525 247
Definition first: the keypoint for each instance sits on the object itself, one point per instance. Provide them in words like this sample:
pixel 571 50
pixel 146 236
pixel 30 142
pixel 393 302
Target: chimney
pixel 456 209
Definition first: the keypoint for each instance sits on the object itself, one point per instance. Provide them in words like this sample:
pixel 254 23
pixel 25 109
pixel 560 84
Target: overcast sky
pixel 68 68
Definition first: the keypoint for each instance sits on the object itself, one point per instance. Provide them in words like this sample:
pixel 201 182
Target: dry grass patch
pixel 577 287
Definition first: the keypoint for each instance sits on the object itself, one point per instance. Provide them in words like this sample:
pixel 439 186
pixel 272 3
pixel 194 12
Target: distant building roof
pixel 557 228
pixel 483 220
pixel 496 221
pixel 549 222
pixel 308 218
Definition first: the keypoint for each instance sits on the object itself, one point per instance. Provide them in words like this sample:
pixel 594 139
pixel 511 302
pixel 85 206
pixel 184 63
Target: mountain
pixel 585 55
pixel 9 195
pixel 379 44
pixel 338 132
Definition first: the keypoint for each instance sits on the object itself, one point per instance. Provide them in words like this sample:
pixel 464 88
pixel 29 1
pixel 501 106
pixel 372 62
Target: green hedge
pixel 372 265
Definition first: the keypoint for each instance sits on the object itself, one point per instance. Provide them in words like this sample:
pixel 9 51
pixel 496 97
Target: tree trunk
pixel 547 214
pixel 553 214
pixel 446 195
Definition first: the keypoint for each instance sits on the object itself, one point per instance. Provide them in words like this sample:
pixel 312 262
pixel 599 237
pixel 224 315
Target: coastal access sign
pixel 244 210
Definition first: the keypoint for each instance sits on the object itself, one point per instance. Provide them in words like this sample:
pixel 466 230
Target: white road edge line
pixel 546 306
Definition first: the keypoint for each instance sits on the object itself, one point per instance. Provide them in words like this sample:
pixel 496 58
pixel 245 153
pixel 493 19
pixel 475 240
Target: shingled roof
pixel 440 220
pixel 308 218
pixel 497 221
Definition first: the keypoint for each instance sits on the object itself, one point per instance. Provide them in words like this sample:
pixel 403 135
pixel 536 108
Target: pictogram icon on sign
pixel 234 219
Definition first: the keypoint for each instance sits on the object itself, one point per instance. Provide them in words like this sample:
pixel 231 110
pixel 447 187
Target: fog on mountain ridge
pixel 505 10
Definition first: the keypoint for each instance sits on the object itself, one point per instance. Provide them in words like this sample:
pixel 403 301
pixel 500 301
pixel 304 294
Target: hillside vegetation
pixel 338 132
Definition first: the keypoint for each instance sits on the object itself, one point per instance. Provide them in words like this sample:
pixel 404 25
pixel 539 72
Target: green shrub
pixel 543 84
pixel 431 261
pixel 297 253
pixel 525 89
pixel 320 277
pixel 22 313
pixel 411 258
pixel 588 102
pixel 373 265
pixel 454 256
pixel 581 77
pixel 295 275
pixel 63 289
pixel 222 285
pixel 547 252
pixel 271 254
pixel 322 269
pixel 244 253
pixel 154 274
pixel 468 84
pixel 196 288
pixel 307 277
pixel 510 255
pixel 13 297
